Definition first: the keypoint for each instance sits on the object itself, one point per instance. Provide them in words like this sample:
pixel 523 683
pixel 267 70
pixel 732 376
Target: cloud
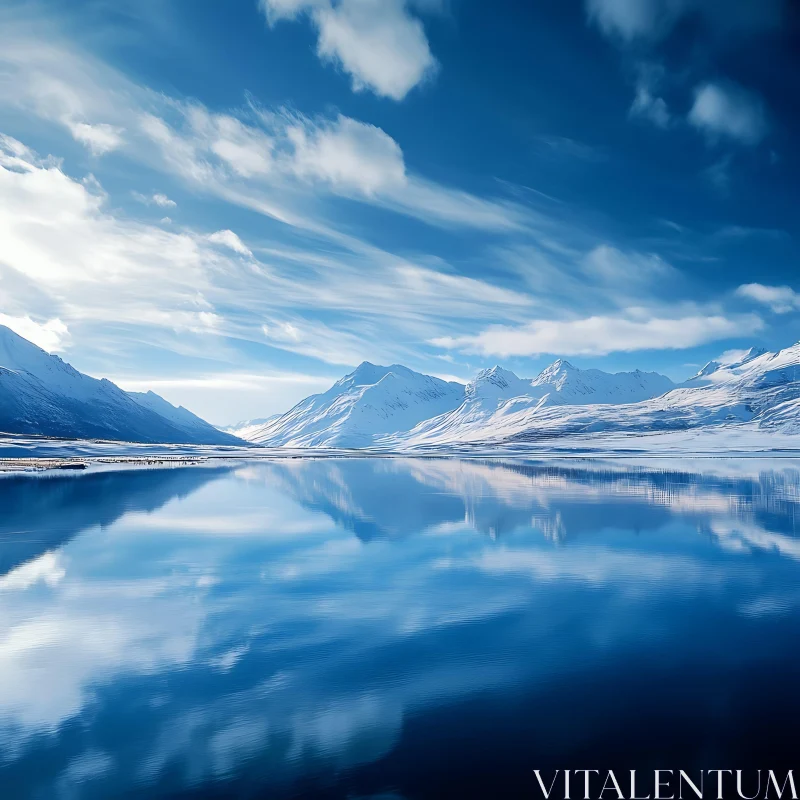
pixel 229 239
pixel 95 269
pixel 629 21
pixel 565 147
pixel 718 175
pixel 627 272
pixel 781 299
pixel 36 78
pixel 157 199
pixel 265 160
pixel 647 105
pixel 633 19
pixel 52 336
pixel 601 335
pixel 377 42
pixel 727 110
pixel 347 154
pixel 100 138
pixel 209 394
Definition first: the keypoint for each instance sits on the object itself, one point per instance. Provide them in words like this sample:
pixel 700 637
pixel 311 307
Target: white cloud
pixel 52 336
pixel 627 273
pixel 210 395
pixel 347 154
pixel 36 78
pixel 601 335
pixel 633 19
pixel 728 110
pixel 157 199
pixel 56 234
pixel 248 159
pixel 781 299
pixel 92 269
pixel 377 42
pixel 100 138
pixel 229 239
pixel 247 150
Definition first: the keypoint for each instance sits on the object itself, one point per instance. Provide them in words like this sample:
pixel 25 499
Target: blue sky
pixel 235 203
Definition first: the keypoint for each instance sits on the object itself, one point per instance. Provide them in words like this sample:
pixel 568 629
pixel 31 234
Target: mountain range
pixel 42 395
pixel 395 408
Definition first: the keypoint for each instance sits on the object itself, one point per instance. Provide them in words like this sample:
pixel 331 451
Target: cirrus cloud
pixel 781 299
pixel 601 335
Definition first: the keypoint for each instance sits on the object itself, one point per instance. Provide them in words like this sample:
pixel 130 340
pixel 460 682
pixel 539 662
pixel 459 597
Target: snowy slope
pixel 179 416
pixel 763 389
pixel 41 394
pixel 385 405
pixel 499 405
pixel 568 385
pixel 367 404
pixel 248 427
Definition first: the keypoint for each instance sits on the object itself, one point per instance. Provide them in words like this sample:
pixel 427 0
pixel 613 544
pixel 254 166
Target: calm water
pixel 394 628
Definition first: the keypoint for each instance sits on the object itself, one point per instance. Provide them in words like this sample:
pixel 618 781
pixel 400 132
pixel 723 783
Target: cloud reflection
pixel 283 621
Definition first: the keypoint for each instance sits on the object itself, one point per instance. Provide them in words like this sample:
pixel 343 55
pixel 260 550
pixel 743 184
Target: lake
pixel 395 628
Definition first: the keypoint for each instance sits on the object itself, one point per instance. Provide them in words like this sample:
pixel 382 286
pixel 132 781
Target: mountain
pixel 715 372
pixel 42 395
pixel 248 426
pixel 499 405
pixel 368 404
pixel 180 417
pixel 385 405
pixel 567 385
pixel 761 389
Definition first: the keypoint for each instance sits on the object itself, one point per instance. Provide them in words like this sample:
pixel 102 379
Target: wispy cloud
pixel 98 268
pixel 631 21
pixel 156 199
pixel 602 335
pixel 647 104
pixel 230 240
pixel 780 299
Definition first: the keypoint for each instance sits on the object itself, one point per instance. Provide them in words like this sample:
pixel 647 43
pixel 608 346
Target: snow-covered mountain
pixel 41 394
pixel 567 385
pixel 248 426
pixel 368 404
pixel 762 389
pixel 499 405
pixel 383 405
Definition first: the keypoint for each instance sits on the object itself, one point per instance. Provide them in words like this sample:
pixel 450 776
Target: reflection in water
pixel 415 627
pixel 43 513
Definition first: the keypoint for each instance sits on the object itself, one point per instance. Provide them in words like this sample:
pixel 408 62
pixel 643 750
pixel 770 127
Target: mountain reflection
pixel 352 627
pixel 751 502
pixel 43 512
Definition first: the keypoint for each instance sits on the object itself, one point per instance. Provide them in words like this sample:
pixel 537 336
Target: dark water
pixel 394 628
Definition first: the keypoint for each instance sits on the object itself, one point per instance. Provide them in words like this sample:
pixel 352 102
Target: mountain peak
pixel 559 365
pixel 753 352
pixel 496 375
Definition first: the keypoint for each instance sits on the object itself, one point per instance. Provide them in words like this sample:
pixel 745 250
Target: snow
pixel 751 404
pixel 43 395
pixel 394 409
pixel 371 402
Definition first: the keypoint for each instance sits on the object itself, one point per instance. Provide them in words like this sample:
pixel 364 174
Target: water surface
pixel 417 628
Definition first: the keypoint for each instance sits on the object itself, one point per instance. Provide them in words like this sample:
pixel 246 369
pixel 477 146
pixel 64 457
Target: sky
pixel 235 203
